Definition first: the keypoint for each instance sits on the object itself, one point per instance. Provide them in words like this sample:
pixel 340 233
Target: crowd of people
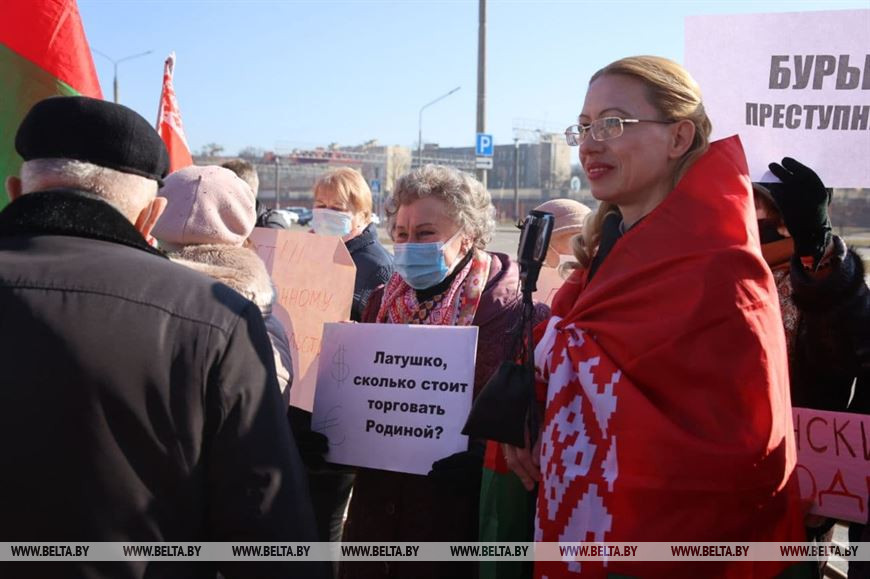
pixel 148 382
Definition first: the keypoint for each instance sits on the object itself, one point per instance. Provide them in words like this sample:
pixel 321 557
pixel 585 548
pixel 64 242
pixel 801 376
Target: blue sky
pixel 284 74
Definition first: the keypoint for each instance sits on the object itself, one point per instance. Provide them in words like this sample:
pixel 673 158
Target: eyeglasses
pixel 602 129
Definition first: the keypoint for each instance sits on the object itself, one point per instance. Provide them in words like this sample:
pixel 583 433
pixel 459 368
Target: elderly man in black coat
pixel 139 401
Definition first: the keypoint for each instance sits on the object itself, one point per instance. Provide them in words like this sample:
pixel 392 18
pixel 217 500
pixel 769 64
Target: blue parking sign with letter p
pixel 484 145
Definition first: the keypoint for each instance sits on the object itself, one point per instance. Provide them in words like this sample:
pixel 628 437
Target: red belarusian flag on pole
pixel 169 121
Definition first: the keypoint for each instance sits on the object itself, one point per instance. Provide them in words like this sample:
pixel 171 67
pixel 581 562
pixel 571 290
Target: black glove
pixel 803 201
pixel 462 470
pixel 312 445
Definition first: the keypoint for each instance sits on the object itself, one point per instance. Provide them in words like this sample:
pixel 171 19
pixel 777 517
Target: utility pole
pixel 516 180
pixel 481 78
pixel 277 182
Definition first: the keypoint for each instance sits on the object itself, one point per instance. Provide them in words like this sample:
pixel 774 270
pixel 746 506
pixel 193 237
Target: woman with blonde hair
pixel 342 207
pixel 667 413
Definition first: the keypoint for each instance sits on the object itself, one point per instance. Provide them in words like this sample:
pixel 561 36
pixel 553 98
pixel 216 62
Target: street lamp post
pixel 277 182
pixel 481 78
pixel 420 125
pixel 516 179
pixel 116 63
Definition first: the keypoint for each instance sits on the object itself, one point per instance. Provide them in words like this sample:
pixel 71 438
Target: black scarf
pixel 611 231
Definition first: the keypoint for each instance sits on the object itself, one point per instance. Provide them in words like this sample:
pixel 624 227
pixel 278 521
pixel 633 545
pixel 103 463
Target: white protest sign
pixel 791 85
pixel 394 397
pixel 314 277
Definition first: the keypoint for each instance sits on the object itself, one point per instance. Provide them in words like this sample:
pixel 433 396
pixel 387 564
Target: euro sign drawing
pixel 340 370
pixel 331 420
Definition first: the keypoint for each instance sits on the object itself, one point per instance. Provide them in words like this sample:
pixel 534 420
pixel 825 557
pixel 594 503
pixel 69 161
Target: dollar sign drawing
pixel 340 370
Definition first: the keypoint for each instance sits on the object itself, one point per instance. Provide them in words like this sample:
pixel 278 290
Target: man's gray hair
pixel 468 202
pixel 128 193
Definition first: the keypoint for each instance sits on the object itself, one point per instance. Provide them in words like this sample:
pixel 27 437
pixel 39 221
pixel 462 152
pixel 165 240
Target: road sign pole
pixel 517 180
pixel 481 77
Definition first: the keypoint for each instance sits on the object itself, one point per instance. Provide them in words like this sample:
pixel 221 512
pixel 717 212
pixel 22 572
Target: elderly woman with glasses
pixel 663 367
pixel 440 220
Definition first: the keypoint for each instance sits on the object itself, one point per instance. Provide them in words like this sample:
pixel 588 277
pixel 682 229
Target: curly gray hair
pixel 468 202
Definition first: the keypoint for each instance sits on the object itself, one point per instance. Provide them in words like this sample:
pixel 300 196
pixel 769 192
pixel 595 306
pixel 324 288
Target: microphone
pixel 537 229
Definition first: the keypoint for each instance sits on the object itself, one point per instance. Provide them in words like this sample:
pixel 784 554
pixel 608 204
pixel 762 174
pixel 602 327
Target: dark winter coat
pixel 374 266
pixel 828 328
pixel 241 269
pixel 139 401
pixel 832 342
pixel 390 506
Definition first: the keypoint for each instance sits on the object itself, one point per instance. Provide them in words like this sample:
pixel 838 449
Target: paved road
pixel 505 240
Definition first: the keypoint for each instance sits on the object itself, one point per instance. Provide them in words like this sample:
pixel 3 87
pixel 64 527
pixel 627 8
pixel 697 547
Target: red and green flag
pixel 43 53
pixel 507 513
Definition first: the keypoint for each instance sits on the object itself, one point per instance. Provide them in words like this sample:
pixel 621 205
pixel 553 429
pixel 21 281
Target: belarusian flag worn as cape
pixel 668 414
pixel 43 53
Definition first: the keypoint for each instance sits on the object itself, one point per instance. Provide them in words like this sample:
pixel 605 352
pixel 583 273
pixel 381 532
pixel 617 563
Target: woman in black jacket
pixel 342 207
pixel 825 306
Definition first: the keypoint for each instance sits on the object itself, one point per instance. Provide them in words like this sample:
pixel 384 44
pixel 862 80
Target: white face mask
pixel 330 222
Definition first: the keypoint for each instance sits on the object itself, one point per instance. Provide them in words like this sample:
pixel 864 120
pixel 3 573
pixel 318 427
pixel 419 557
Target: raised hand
pixel 803 202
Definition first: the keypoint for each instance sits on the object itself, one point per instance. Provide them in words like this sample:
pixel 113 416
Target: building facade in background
pixel 287 178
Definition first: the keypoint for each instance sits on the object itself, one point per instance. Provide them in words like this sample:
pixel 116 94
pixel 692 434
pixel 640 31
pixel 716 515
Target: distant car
pixel 289 217
pixel 277 219
pixel 303 214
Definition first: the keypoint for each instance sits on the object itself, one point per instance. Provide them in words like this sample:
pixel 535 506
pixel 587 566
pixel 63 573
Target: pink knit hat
pixel 207 205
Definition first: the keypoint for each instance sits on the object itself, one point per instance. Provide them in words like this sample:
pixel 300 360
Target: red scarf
pixel 455 306
pixel 668 414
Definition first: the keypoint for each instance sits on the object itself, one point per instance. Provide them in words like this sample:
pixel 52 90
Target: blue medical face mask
pixel 330 222
pixel 422 265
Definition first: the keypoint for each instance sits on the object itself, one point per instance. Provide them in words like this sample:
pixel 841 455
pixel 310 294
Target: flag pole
pixel 169 124
pixel 169 64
